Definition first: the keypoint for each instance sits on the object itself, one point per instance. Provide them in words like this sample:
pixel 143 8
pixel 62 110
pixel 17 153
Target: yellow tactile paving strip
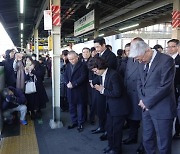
pixel 26 143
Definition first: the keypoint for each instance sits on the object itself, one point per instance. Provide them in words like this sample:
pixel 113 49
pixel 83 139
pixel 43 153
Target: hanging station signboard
pixel 85 24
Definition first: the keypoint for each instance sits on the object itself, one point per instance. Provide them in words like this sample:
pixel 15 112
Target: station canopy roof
pixel 113 15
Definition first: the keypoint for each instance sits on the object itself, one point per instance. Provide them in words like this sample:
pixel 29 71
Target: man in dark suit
pixel 86 54
pixel 156 93
pixel 130 81
pixel 116 104
pixel 110 58
pixel 75 78
pixel 172 49
pixel 178 108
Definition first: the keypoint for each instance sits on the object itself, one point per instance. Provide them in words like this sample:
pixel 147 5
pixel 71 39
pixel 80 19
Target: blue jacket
pixel 19 99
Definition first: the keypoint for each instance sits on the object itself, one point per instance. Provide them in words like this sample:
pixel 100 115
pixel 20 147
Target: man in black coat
pixel 173 46
pixel 75 79
pixel 115 102
pixel 135 116
pixel 86 54
pixel 110 58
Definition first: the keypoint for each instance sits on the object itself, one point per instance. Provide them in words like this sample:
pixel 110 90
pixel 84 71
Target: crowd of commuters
pixel 19 69
pixel 141 85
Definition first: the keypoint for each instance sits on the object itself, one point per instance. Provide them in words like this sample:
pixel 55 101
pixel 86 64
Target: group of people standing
pixel 143 86
pixel 18 70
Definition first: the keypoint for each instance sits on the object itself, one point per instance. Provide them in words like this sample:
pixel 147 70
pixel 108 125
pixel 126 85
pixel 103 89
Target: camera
pixel 11 98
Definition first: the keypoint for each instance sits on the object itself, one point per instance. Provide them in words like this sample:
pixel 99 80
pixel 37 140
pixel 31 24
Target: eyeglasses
pixel 94 70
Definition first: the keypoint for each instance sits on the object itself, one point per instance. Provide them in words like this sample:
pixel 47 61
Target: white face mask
pixel 34 58
pixel 28 62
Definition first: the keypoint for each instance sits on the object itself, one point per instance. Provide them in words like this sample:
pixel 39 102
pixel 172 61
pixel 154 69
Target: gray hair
pixel 138 48
pixel 72 53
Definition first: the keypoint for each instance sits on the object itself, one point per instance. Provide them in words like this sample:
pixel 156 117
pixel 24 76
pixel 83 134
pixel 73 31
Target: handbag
pixel 30 86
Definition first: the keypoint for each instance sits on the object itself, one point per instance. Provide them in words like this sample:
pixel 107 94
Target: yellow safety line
pixel 25 143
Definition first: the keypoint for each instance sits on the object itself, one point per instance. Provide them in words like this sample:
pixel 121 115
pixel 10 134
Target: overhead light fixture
pixel 22 26
pixel 21 40
pixel 21 6
pixel 85 39
pixel 100 35
pixel 131 26
pixel 21 35
pixel 88 5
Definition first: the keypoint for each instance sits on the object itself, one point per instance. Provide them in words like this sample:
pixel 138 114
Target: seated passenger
pixel 13 100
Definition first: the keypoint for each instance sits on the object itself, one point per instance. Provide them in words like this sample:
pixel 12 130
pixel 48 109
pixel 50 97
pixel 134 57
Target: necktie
pixel 146 71
pixel 100 79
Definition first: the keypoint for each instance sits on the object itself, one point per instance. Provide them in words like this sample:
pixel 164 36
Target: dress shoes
pixel 103 137
pixel 129 141
pixel 140 149
pixel 107 149
pixel 97 131
pixel 80 128
pixel 72 126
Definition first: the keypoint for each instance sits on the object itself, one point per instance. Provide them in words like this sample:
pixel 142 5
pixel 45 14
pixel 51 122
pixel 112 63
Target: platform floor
pixel 38 137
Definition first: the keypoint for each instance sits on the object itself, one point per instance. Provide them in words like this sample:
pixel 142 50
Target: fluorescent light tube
pixel 21 6
pixel 131 26
pixel 22 26
pixel 100 35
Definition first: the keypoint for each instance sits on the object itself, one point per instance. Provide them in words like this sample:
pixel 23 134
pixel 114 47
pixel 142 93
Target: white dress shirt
pixel 103 79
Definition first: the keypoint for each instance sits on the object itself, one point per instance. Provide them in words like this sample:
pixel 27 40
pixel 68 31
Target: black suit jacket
pixel 116 100
pixel 177 75
pixel 110 58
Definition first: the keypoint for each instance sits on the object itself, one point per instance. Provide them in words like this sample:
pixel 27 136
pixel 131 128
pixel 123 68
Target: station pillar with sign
pixel 176 20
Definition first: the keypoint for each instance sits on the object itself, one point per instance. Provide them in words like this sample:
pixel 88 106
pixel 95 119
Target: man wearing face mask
pixel 155 85
pixel 34 58
pixel 10 76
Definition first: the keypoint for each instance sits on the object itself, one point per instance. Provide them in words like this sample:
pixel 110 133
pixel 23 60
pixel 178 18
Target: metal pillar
pixel 97 19
pixel 36 49
pixel 176 31
pixel 96 33
pixel 56 121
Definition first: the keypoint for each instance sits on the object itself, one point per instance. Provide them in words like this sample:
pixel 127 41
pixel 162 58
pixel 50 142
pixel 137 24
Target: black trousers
pixel 92 105
pixel 114 127
pixel 101 109
pixel 133 128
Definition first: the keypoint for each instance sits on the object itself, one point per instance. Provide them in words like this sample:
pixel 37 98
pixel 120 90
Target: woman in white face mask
pixel 34 56
pixel 29 65
pixel 37 100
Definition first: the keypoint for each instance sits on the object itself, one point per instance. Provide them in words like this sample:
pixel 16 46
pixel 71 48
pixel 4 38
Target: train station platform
pixel 38 138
